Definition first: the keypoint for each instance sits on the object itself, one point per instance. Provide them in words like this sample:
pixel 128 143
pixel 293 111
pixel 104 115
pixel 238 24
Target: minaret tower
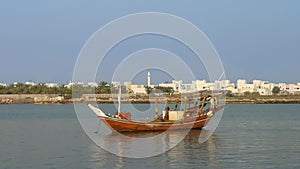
pixel 149 78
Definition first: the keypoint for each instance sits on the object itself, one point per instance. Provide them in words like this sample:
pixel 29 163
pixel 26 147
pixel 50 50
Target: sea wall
pixel 110 98
pixel 31 98
pixel 261 100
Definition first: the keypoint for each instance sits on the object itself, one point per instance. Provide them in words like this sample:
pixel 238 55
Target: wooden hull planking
pixel 122 125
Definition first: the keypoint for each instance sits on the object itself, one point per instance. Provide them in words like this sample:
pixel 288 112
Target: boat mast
pixel 119 101
pixel 167 110
pixel 156 108
pixel 184 104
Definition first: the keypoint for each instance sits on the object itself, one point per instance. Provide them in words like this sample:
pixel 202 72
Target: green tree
pixel 148 89
pixel 103 88
pixel 160 89
pixel 78 90
pixel 275 90
pixel 229 94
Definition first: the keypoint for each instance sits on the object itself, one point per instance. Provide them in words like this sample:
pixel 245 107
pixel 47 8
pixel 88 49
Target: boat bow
pixel 97 111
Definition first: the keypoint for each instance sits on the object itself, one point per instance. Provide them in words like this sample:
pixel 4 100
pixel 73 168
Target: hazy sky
pixel 40 40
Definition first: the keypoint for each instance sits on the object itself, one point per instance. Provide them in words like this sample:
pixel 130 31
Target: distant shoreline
pixel 106 98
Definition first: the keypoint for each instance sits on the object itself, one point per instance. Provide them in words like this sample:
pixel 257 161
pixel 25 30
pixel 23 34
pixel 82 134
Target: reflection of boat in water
pixel 191 135
pixel 191 117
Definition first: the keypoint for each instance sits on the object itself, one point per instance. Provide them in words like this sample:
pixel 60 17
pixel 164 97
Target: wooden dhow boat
pixel 191 117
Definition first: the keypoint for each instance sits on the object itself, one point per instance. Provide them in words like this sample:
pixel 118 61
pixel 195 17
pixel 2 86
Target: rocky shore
pixel 262 101
pixel 33 99
pixel 107 98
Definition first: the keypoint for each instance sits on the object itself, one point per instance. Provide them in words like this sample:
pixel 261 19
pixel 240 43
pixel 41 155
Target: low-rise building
pixel 3 84
pixel 138 89
pixel 92 84
pixel 51 85
pixel 259 86
pixel 176 85
pixel 71 84
pixel 30 83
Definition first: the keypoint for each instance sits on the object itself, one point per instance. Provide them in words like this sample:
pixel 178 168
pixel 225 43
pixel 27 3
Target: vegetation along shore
pixel 41 94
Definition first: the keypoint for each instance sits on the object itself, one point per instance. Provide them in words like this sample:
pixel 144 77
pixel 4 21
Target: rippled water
pixel 249 136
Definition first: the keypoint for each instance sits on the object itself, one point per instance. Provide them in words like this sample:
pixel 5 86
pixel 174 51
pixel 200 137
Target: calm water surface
pixel 249 136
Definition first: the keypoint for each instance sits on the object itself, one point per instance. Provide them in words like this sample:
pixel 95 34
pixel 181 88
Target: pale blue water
pixel 249 136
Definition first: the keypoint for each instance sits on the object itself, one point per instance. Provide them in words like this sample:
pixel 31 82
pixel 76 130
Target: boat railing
pixel 192 108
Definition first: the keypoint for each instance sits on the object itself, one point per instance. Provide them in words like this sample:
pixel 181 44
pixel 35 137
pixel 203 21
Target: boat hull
pixel 123 125
pixel 126 125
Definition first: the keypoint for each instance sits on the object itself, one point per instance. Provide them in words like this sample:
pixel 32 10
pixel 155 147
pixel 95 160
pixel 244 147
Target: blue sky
pixel 40 40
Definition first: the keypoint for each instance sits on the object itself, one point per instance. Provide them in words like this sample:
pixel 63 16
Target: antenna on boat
pixel 156 108
pixel 119 101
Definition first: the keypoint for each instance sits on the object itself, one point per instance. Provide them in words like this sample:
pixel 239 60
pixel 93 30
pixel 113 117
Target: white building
pixel 259 86
pixel 230 87
pixel 293 89
pixel 266 88
pixel 222 85
pixel 30 83
pixel 187 88
pixel 296 89
pixel 176 85
pixel 70 84
pixel 138 89
pixel 92 84
pixel 135 88
pixel 167 85
pixel 240 84
pixel 201 85
pixel 262 87
pixel 288 88
pixel 3 84
pixel 51 85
